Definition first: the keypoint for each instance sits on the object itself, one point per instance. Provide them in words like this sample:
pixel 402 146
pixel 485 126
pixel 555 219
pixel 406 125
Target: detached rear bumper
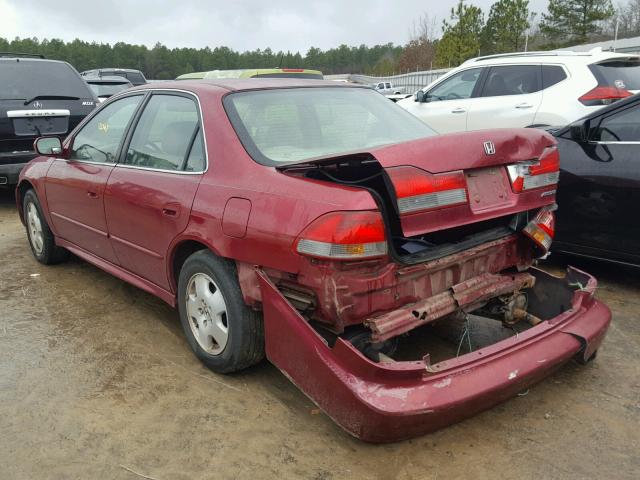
pixel 388 402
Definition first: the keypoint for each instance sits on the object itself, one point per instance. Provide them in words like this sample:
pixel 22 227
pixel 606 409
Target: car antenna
pixel 281 57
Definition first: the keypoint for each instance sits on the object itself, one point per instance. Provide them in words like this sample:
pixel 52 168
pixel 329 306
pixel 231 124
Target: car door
pixel 600 187
pixel 149 194
pixel 510 97
pixel 447 103
pixel 75 185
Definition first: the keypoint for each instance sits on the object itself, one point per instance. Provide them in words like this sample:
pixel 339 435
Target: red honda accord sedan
pixel 386 270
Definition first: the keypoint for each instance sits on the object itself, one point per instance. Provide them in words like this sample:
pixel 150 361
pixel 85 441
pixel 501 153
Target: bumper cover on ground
pixel 388 402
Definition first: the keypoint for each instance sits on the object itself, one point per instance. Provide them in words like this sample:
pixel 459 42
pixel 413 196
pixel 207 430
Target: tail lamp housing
pixel 603 95
pixel 417 190
pixel 348 235
pixel 542 173
pixel 541 229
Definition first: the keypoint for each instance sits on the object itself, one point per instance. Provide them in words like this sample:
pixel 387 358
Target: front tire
pixel 41 239
pixel 222 331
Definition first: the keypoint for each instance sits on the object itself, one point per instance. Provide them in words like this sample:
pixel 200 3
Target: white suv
pixel 525 89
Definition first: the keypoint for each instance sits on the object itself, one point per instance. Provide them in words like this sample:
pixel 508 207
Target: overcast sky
pixel 293 25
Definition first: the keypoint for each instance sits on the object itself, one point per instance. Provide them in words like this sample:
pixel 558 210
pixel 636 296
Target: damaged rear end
pixel 415 315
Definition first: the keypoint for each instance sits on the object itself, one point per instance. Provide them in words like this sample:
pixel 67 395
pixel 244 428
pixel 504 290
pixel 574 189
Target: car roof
pixel 20 59
pixel 552 56
pixel 105 79
pixel 245 84
pixel 245 73
pixel 118 69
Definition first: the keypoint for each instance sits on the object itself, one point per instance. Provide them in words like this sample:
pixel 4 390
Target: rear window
pixel 618 73
pixel 135 77
pixel 107 89
pixel 25 79
pixel 295 124
pixel 552 74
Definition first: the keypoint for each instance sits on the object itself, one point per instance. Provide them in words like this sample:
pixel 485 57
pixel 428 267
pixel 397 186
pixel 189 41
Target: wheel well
pixel 180 255
pixel 23 187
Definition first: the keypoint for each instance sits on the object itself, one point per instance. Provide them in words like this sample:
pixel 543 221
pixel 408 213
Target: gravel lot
pixel 97 381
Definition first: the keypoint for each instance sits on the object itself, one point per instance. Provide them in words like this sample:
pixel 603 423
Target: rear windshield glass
pixel 291 125
pixel 26 79
pixel 107 89
pixel 618 73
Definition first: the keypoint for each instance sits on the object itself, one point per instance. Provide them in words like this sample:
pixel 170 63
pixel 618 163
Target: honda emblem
pixel 489 148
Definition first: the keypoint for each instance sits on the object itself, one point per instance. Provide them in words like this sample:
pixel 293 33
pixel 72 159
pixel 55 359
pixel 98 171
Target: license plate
pixel 488 188
pixel 41 126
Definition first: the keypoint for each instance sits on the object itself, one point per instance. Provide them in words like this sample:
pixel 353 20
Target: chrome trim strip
pixel 60 112
pixel 613 142
pixel 82 225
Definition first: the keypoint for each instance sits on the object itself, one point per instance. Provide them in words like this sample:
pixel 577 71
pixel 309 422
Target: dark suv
pixel 136 77
pixel 38 97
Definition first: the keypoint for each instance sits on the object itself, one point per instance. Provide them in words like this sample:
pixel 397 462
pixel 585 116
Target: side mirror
pixel 48 146
pixel 419 96
pixel 579 131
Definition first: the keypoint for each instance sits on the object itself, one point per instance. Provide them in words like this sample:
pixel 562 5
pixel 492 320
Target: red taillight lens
pixel 603 95
pixel 541 229
pixel 545 172
pixel 417 190
pixel 344 235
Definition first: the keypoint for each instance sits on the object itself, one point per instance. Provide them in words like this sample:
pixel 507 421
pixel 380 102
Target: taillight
pixel 543 173
pixel 347 235
pixel 603 95
pixel 541 229
pixel 417 190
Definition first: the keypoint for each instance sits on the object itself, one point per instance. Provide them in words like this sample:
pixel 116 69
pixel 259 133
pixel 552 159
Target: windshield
pixel 619 73
pixel 295 124
pixel 26 79
pixel 107 89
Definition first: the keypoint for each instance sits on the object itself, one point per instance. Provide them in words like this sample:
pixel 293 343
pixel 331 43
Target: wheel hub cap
pixel 36 237
pixel 207 312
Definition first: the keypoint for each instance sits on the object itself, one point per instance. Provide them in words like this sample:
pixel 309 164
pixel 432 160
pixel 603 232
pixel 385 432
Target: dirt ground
pixel 97 382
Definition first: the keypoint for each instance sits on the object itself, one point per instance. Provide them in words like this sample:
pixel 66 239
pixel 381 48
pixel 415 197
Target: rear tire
pixel 41 239
pixel 223 332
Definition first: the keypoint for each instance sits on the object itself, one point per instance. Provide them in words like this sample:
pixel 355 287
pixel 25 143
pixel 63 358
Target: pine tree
pixel 461 35
pixel 574 21
pixel 505 27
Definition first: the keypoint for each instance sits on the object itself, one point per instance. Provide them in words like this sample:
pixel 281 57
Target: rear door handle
pixel 458 110
pixel 91 194
pixel 524 105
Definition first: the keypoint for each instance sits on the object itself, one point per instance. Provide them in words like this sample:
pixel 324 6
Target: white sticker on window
pixel 619 84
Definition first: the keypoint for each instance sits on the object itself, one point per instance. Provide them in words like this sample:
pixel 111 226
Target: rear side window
pixel 552 74
pixel 618 73
pixel 164 134
pixel 512 80
pixel 26 79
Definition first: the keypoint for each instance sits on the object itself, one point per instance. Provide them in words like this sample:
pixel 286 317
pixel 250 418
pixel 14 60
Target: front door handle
pixel 458 110
pixel 91 194
pixel 169 212
pixel 524 105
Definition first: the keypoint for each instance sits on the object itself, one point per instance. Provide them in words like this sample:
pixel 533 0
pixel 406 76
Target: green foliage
pixel 574 21
pixel 461 35
pixel 505 27
pixel 162 63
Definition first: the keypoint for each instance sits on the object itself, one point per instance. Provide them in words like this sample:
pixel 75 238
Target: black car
pixel 105 86
pixel 136 77
pixel 599 189
pixel 38 97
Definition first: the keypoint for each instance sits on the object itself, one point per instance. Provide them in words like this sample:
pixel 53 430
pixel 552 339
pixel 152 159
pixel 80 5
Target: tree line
pixel 509 26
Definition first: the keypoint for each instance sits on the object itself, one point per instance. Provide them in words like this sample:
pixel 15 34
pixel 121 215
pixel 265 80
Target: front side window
pixel 165 133
pixel 294 124
pixel 620 127
pixel 512 80
pixel 457 86
pixel 100 138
